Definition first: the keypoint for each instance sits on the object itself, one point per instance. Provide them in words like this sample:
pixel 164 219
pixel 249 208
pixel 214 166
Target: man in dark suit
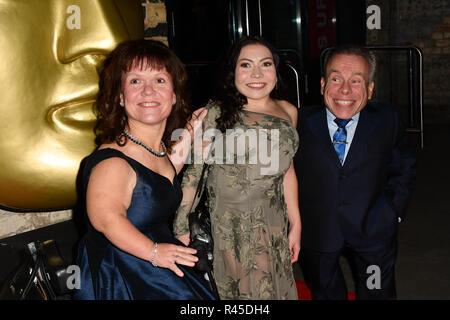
pixel 355 177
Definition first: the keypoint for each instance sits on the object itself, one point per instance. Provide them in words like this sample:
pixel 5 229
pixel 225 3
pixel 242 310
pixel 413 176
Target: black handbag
pixel 200 232
pixel 43 275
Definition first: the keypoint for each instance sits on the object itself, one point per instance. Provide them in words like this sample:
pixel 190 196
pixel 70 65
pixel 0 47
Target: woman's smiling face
pixel 148 95
pixel 255 74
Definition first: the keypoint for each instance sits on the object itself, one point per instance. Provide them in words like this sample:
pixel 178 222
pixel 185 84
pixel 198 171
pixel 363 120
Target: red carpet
pixel 305 294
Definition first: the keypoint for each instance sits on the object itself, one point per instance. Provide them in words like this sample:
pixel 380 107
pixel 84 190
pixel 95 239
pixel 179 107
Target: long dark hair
pixel 111 117
pixel 230 99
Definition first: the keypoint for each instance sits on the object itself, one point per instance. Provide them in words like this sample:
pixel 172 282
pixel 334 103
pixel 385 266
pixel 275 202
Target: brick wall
pixel 437 72
pixel 425 24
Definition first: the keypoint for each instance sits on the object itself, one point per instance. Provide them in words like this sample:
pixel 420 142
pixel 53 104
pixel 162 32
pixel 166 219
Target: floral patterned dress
pixel 246 201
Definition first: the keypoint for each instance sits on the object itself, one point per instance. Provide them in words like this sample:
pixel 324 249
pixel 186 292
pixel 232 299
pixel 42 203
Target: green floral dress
pixel 246 201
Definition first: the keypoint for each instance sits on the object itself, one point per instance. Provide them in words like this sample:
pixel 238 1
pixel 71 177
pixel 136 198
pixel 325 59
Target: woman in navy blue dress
pixel 131 187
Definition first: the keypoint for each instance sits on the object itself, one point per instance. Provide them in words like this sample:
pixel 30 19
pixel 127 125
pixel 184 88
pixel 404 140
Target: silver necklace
pixel 155 153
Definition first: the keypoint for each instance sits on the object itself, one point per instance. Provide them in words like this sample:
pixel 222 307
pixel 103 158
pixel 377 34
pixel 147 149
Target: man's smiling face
pixel 346 88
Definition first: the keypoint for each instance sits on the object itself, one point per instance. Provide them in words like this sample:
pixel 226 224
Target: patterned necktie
pixel 340 138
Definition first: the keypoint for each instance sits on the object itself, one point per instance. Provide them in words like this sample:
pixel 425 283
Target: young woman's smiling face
pixel 255 74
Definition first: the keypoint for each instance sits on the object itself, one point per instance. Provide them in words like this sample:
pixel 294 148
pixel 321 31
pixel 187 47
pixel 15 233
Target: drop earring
pixel 121 100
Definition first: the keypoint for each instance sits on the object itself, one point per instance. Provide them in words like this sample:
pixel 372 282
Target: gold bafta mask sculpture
pixel 50 52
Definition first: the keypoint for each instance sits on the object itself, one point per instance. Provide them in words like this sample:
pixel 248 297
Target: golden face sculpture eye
pixel 50 54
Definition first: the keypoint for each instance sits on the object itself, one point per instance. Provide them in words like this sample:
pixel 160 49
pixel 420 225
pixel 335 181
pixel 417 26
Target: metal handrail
pixel 297 86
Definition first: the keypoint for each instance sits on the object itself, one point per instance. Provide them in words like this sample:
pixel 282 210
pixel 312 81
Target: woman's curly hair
pixel 230 99
pixel 111 116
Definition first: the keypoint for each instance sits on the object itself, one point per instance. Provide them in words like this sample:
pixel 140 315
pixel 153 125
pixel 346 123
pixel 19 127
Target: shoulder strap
pixel 201 182
pixel 102 154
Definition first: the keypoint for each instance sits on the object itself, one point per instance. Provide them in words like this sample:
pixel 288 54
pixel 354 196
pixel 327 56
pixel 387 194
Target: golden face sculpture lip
pixel 73 115
pixel 49 76
pixel 76 111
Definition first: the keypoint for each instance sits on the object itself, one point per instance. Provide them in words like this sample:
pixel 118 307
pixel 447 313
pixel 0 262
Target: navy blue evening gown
pixel 110 273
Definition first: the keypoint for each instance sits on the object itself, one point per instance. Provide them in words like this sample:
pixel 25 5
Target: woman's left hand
pixel 181 149
pixel 294 242
pixel 170 255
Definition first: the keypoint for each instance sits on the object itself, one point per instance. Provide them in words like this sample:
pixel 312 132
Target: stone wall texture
pixel 155 21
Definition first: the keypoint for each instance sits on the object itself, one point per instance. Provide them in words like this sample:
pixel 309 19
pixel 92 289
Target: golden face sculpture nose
pixel 51 53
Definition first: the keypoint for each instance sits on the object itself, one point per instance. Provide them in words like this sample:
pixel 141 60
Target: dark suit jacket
pixel 359 202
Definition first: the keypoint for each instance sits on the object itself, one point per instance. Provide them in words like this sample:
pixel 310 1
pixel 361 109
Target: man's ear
pixel 322 85
pixel 370 90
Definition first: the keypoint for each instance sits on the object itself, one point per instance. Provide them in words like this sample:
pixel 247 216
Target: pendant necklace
pixel 137 141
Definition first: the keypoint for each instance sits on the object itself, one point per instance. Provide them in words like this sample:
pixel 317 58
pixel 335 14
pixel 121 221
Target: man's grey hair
pixel 356 50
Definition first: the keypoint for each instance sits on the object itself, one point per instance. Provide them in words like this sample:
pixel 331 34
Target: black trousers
pixel 373 269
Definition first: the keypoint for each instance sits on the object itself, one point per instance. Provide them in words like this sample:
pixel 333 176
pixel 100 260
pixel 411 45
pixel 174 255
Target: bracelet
pixel 154 254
